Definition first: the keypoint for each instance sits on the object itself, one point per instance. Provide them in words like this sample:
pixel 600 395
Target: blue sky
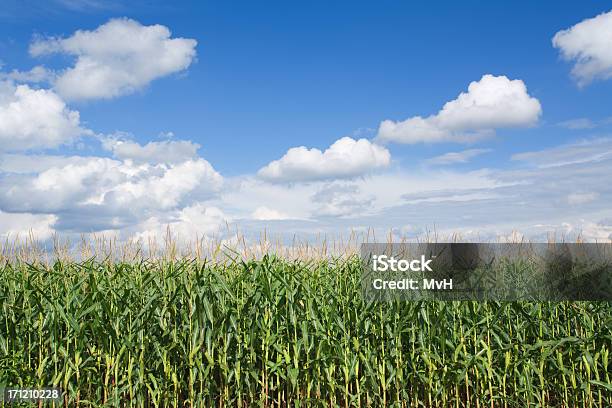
pixel 265 78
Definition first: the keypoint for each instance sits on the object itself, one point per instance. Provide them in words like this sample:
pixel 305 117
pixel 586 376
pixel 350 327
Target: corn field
pixel 279 333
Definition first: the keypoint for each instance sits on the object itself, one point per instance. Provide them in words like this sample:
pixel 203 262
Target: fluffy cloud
pixel 345 158
pixel 34 118
pixel 167 151
pixel 19 163
pixel 589 44
pixel 562 184
pixel 491 103
pixel 101 193
pixel 457 157
pixel 117 58
pixel 37 226
pixel 546 192
pixel 189 224
pixel 166 190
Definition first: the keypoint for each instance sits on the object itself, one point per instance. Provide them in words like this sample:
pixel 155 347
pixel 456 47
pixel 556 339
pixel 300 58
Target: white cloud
pixel 85 5
pixel 349 199
pixel 166 135
pixel 533 199
pixel 167 189
pixel 153 152
pixel 578 124
pixel 118 58
pixel 342 200
pixel 34 118
pixel 589 44
pixel 450 196
pixel 588 230
pixel 584 151
pixel 36 74
pixel 39 226
pixel 492 102
pixel 343 159
pixel 101 193
pixel 243 195
pixel 188 224
pixel 457 157
pixel 264 213
pixel 581 198
pixel 18 163
pixel 76 195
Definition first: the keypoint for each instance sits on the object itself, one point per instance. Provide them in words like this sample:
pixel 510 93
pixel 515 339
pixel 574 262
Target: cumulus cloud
pixel 34 118
pixel 38 226
pixel 345 158
pixel 101 193
pixel 536 198
pixel 191 223
pixel 118 58
pixel 589 44
pixel 153 152
pixel 492 102
pixel 457 157
pixel 20 163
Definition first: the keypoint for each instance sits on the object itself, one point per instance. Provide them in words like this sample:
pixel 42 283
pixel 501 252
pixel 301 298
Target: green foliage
pixel 280 333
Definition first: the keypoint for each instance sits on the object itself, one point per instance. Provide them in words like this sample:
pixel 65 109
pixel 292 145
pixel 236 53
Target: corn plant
pixel 278 333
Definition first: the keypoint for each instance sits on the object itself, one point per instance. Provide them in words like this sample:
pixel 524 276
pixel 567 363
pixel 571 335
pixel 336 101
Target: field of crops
pixel 272 332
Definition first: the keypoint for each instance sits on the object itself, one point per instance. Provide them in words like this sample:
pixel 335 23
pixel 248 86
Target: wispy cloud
pixel 578 124
pixel 584 151
pixel 89 5
pixel 463 156
pixel 18 10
